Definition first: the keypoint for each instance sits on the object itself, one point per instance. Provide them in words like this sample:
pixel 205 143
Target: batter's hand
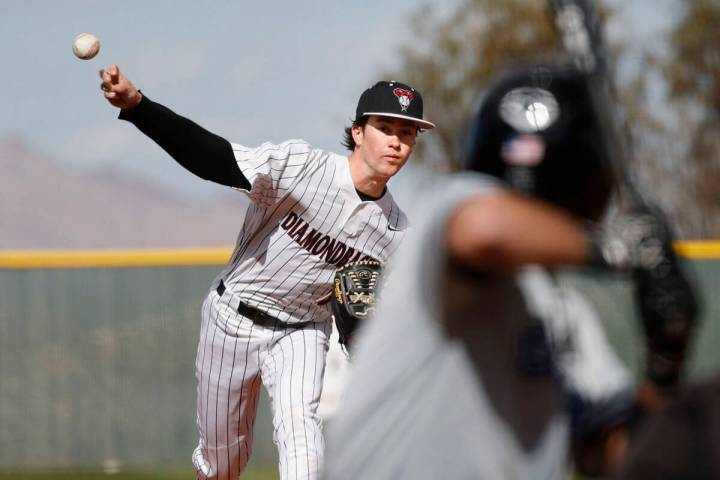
pixel 642 243
pixel 118 90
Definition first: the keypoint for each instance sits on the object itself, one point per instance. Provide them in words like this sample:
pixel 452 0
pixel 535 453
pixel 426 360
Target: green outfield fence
pixel 97 352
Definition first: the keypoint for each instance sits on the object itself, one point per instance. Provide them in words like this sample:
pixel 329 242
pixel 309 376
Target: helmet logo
pixel 404 97
pixel 529 109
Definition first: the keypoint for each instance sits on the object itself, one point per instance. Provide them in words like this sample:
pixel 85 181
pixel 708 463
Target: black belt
pixel 259 317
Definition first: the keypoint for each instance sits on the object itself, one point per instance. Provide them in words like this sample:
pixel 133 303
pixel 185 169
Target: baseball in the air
pixel 86 46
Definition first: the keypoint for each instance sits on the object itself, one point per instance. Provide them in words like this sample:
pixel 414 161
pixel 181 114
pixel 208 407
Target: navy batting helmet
pixel 538 130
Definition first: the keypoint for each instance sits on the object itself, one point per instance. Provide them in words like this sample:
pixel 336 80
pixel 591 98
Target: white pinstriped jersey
pixel 305 219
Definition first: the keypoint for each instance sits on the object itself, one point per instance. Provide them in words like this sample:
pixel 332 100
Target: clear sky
pixel 251 71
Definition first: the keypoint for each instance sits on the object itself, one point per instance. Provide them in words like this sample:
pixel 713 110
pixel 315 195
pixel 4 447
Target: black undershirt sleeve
pixel 205 154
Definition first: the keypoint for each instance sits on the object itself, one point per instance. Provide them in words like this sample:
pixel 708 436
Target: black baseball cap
pixel 392 99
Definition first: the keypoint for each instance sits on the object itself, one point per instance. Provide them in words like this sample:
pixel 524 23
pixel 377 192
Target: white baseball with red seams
pixel 86 46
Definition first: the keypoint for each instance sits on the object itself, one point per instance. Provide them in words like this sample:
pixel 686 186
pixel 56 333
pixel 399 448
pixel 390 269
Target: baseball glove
pixel 356 286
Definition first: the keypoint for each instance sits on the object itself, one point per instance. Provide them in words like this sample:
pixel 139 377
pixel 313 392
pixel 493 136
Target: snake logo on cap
pixel 404 97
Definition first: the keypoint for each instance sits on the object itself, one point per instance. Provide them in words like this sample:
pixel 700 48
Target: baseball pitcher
pixel 311 212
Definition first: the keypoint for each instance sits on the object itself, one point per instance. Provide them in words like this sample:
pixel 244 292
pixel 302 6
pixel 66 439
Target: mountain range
pixel 47 205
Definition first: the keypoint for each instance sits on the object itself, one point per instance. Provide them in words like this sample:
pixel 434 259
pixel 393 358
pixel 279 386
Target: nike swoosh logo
pixel 390 227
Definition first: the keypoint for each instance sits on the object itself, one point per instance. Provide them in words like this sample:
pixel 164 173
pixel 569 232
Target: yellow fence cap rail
pixel 24 259
pixel 156 257
pixel 699 249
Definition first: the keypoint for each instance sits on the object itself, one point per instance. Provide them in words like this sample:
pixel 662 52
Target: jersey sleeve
pixel 426 232
pixel 272 169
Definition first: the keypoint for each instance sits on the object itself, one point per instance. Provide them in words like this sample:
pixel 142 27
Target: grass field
pixel 250 474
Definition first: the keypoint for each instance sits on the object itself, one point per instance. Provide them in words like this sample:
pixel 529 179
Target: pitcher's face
pixel 385 143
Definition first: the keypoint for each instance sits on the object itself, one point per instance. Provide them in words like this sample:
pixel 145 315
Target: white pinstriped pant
pixel 234 357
